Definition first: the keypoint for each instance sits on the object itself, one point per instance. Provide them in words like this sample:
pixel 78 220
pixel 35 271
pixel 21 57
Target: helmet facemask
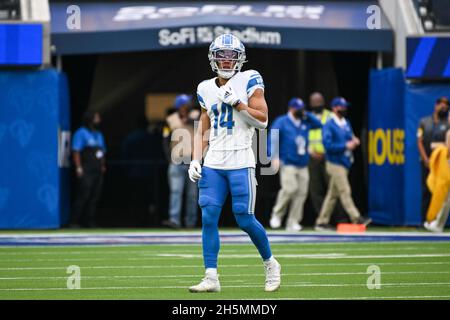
pixel 226 62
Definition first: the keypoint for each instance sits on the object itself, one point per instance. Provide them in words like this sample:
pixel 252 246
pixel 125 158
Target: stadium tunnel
pixel 121 54
pixel 120 57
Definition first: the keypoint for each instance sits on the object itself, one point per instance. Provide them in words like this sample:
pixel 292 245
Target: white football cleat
pixel 273 276
pixel 295 227
pixel 275 222
pixel 432 226
pixel 207 285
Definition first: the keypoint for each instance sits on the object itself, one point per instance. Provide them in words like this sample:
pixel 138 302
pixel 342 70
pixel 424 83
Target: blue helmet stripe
pixel 227 40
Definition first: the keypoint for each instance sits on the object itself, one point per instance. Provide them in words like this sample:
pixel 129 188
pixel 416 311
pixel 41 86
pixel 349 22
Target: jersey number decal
pixel 229 123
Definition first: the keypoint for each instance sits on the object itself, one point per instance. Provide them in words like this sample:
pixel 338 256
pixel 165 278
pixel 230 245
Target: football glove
pixel 195 170
pixel 228 96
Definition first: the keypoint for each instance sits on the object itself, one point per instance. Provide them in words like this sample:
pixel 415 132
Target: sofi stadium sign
pixel 136 13
pixel 206 34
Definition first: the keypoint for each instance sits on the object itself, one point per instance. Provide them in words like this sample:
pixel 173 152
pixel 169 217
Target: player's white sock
pixel 269 261
pixel 211 273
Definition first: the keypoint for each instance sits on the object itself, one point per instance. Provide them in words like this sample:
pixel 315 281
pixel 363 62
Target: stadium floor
pixel 162 265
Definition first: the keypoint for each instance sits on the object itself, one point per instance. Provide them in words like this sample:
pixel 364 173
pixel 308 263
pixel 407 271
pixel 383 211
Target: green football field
pixel 408 270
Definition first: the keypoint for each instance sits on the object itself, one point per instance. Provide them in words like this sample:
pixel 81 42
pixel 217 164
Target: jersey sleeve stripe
pixel 201 101
pixel 254 82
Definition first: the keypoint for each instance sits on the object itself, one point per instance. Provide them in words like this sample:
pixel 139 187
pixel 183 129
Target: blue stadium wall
pixel 34 114
pixel 395 108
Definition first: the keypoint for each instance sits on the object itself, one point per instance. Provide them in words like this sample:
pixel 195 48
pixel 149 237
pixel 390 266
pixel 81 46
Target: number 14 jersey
pixel 230 137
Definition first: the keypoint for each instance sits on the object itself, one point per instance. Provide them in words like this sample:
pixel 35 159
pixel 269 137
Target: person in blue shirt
pixel 88 148
pixel 339 142
pixel 290 154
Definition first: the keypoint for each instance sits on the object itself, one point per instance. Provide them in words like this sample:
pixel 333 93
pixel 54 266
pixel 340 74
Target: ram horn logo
pixel 22 132
pixel 48 196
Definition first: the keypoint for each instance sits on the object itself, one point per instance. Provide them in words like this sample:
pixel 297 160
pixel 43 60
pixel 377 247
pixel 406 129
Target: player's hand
pixel 195 170
pixel 357 141
pixel 227 95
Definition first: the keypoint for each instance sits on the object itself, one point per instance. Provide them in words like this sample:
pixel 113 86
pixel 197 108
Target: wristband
pixel 236 103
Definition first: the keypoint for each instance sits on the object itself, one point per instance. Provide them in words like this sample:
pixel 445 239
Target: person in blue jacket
pixel 290 154
pixel 339 142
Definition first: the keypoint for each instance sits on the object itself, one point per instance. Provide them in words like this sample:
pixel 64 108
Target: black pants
pixel 426 194
pixel 88 194
pixel 318 187
pixel 318 183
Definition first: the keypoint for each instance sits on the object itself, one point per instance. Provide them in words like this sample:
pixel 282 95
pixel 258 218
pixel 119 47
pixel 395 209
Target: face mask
pixel 96 125
pixel 318 109
pixel 443 114
pixel 299 113
pixel 342 112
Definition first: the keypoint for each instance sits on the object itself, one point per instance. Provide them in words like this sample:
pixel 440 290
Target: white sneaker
pixel 432 226
pixel 294 227
pixel 275 222
pixel 207 285
pixel 273 276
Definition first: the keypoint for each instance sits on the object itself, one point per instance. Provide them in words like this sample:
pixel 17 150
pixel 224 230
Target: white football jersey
pixel 230 137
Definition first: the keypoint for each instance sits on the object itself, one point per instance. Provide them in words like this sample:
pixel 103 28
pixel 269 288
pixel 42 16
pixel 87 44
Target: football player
pixel 233 105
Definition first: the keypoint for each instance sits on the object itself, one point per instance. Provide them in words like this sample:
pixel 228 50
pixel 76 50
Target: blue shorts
pixel 215 185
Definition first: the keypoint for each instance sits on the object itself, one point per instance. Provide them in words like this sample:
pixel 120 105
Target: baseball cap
pixel 296 103
pixel 182 99
pixel 339 101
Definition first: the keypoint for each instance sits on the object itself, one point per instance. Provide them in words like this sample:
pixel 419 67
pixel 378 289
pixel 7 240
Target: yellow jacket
pixel 315 135
pixel 438 181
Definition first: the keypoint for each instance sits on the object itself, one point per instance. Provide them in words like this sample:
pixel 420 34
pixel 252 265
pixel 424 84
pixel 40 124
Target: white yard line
pixel 223 276
pixel 228 266
pixel 397 285
pixel 316 256
pixel 164 256
pixel 225 250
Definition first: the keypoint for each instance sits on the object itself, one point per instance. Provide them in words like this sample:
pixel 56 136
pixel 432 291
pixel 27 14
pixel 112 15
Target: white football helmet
pixel 226 47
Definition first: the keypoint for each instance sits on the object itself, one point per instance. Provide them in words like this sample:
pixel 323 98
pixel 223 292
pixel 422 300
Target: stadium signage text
pixel 392 143
pixel 202 35
pixel 136 13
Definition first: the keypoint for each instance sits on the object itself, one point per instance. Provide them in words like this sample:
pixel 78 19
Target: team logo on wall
pixel 22 131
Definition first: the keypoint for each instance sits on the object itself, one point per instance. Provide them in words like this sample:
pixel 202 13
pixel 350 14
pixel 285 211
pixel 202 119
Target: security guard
pixel 292 152
pixel 430 134
pixel 89 150
pixel 318 182
pixel 339 141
